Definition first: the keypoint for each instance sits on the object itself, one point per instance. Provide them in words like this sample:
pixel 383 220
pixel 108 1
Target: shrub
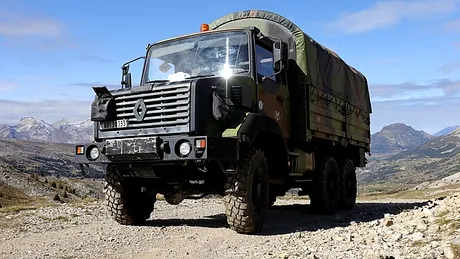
pixel 56 197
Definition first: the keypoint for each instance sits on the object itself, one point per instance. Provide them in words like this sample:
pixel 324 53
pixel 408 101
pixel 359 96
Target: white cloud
pixel 430 115
pixel 411 91
pixel 450 67
pixel 430 107
pixel 6 86
pixel 384 14
pixel 22 25
pixel 453 25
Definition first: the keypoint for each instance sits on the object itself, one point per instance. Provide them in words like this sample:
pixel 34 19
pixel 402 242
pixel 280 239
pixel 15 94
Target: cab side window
pixel 264 62
pixel 264 59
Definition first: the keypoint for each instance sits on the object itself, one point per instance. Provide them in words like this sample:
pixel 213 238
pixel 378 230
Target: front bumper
pixel 156 149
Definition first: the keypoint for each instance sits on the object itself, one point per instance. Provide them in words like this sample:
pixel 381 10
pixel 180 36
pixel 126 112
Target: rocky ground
pixel 197 229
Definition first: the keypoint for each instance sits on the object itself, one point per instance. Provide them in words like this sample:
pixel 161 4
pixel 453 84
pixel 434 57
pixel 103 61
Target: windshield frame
pixel 197 34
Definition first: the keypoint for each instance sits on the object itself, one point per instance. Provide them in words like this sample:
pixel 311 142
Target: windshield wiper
pixel 241 71
pixel 157 81
pixel 234 73
pixel 199 76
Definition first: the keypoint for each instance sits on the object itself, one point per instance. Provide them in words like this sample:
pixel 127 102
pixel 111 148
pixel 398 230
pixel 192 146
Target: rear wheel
pixel 247 192
pixel 326 187
pixel 126 203
pixel 348 183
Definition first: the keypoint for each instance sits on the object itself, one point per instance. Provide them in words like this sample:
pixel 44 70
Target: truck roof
pixel 320 66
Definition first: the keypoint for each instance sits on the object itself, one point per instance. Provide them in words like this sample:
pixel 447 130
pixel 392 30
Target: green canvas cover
pixel 319 66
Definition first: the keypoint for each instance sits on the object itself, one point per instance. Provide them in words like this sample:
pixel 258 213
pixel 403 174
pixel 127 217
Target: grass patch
pixel 419 243
pixel 21 207
pixel 28 204
pixel 10 196
pixel 44 218
pixel 61 218
pixel 448 224
pixel 442 213
pixel 455 250
pixel 443 221
pixel 424 194
pixel 455 225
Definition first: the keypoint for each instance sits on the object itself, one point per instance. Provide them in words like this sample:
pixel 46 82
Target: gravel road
pixel 197 229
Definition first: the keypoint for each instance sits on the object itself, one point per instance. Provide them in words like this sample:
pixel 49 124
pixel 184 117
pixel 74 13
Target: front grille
pixel 166 106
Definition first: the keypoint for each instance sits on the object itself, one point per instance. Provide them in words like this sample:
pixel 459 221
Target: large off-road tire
pixel 126 203
pixel 348 182
pixel 247 192
pixel 326 187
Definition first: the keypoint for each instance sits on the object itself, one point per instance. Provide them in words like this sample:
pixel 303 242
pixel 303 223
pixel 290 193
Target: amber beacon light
pixel 204 27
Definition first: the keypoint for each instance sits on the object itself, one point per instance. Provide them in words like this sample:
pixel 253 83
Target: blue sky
pixel 52 52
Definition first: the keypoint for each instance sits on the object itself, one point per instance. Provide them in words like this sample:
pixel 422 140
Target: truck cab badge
pixel 140 110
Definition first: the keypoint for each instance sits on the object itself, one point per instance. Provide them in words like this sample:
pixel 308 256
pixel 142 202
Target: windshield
pixel 221 54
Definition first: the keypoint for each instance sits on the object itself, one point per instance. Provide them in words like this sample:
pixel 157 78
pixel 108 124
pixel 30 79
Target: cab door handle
pixel 280 99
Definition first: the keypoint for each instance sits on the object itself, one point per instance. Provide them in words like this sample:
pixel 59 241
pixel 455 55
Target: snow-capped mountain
pixel 62 131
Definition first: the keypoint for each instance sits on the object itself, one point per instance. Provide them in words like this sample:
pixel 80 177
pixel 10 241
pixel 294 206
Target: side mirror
pixel 125 77
pixel 278 59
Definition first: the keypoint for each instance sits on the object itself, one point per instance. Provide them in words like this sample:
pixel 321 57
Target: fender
pixel 253 125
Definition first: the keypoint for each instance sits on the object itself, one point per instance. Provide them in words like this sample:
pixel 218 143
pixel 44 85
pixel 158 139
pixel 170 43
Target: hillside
pixel 42 158
pixel 434 160
pixel 446 131
pixel 441 147
pixel 33 172
pixel 396 138
pixel 62 131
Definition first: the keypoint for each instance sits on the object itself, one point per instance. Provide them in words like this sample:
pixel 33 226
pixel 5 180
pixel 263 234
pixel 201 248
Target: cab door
pixel 272 93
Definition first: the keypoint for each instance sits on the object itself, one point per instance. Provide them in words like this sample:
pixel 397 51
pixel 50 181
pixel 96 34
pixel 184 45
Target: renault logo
pixel 140 110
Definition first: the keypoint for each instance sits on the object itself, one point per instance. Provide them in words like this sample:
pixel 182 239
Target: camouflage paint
pixel 338 105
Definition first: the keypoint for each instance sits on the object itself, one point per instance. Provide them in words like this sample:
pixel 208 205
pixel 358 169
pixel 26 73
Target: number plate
pixel 114 124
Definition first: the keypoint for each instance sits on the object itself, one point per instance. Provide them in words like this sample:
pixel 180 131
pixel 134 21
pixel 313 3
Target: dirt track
pixel 197 229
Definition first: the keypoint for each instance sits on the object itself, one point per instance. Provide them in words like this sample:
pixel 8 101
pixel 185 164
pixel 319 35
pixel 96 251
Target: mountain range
pixel 446 131
pixel 396 138
pixel 62 131
pixel 399 153
pixel 424 158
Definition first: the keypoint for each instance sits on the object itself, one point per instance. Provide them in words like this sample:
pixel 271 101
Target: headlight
pixel 185 148
pixel 94 153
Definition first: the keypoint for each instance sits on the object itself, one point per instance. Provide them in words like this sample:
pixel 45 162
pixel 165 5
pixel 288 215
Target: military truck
pixel 247 107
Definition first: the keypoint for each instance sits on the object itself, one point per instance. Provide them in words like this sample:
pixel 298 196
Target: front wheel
pixel 126 203
pixel 247 192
